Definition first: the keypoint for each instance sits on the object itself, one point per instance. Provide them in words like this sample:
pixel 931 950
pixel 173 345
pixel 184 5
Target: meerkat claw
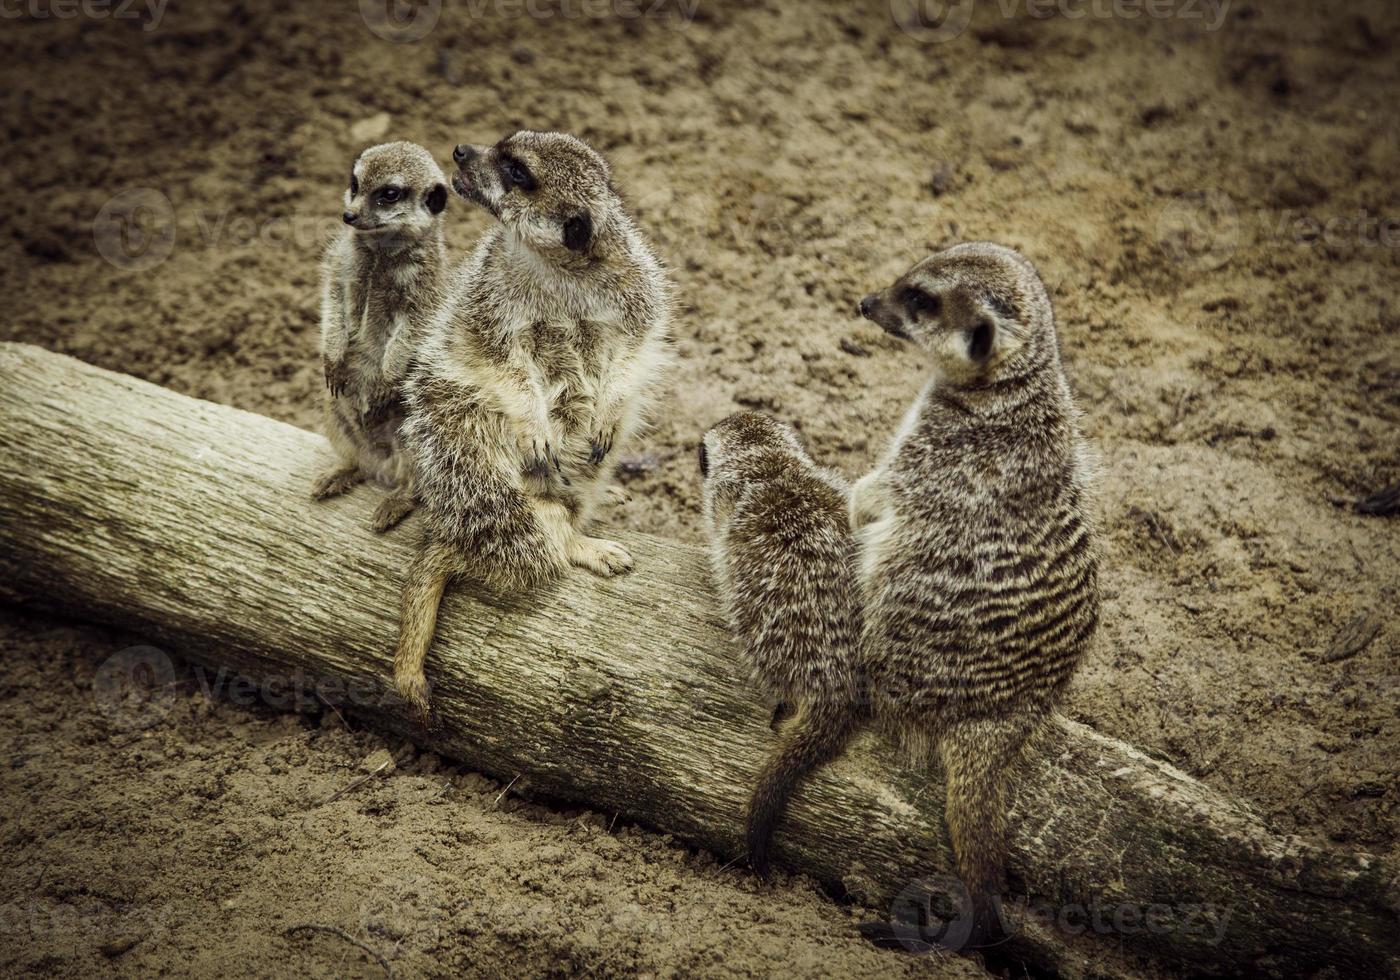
pixel 537 463
pixel 559 468
pixel 599 447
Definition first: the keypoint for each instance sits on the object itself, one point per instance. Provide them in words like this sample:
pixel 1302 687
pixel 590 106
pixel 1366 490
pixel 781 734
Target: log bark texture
pixel 190 523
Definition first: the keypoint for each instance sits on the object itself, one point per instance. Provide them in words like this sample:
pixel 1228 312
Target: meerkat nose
pixel 350 217
pixel 461 153
pixel 866 304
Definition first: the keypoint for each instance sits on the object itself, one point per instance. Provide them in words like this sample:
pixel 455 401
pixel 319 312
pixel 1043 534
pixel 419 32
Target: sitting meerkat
pixel 383 280
pixel 543 365
pixel 977 565
pixel 782 553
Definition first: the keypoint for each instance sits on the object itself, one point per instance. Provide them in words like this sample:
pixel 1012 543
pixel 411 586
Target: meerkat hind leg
pixel 599 556
pixel 394 508
pixel 977 757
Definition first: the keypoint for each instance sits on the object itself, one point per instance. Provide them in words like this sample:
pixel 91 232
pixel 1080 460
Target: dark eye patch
pixel 516 174
pixel 920 303
pixel 354 184
pixel 389 194
pixel 979 341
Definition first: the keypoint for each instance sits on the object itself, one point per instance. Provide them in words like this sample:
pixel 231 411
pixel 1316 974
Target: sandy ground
pixel 1216 213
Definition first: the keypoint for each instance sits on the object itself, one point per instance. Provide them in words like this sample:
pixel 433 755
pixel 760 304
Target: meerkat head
pixel 744 449
pixel 552 190
pixel 978 309
pixel 741 434
pixel 397 193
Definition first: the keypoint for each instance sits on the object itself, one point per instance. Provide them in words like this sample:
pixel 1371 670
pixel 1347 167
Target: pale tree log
pixel 189 523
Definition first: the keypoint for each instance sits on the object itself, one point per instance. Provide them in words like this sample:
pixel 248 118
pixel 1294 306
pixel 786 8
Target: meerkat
pixel 782 552
pixel 383 279
pixel 546 360
pixel 977 561
pixel 974 561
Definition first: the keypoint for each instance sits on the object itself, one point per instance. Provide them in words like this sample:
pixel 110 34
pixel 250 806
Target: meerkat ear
pixel 980 340
pixel 436 199
pixel 578 232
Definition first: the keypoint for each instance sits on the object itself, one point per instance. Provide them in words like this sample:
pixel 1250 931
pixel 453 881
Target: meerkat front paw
pixel 605 558
pixel 599 445
pixel 539 455
pixel 336 481
pixel 337 376
pixel 617 495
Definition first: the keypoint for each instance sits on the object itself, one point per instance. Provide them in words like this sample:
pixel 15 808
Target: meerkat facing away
pixel 977 561
pixel 545 362
pixel 382 282
pixel 782 550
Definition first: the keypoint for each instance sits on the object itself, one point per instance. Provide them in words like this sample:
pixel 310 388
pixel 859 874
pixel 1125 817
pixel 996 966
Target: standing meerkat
pixel 975 562
pixel 782 553
pixel 383 280
pixel 978 565
pixel 545 362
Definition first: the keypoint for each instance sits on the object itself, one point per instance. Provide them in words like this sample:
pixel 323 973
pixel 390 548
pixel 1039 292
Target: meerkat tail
pixel 977 757
pixel 422 594
pixel 815 737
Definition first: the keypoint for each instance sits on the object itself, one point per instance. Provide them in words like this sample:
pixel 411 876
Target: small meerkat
pixel 544 364
pixel 782 552
pixel 978 566
pixel 383 279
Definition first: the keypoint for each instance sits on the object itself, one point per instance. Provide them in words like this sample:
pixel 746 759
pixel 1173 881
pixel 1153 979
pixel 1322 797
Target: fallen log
pixel 190 523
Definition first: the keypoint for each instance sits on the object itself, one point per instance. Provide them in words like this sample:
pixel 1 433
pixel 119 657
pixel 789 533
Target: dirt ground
pixel 1213 202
